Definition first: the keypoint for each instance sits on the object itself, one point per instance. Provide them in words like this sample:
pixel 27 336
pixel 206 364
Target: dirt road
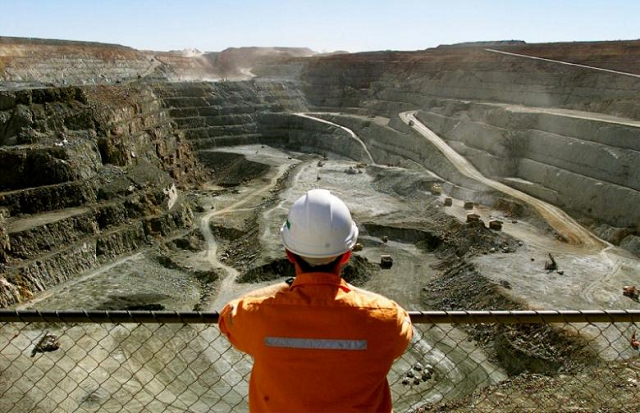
pixel 459 366
pixel 569 113
pixel 226 290
pixel 51 292
pixel 566 226
pixel 604 267
pixel 349 131
pixel 564 63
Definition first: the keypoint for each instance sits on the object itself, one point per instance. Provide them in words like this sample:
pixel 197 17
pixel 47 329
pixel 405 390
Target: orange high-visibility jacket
pixel 317 345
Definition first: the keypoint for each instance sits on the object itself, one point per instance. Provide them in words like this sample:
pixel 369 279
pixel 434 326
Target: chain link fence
pixel 487 361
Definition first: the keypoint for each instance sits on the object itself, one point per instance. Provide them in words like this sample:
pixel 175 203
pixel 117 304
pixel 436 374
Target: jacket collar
pixel 320 278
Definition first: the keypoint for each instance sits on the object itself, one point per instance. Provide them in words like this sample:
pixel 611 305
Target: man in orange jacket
pixel 318 343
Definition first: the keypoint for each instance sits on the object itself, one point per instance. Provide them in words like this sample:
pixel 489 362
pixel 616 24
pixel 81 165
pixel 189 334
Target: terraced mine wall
pixel 614 55
pixel 87 175
pixel 589 166
pixel 308 135
pixel 213 115
pixel 392 81
pixel 31 62
pixel 38 62
pixel 216 115
pixel 535 152
pixel 501 112
pixel 391 142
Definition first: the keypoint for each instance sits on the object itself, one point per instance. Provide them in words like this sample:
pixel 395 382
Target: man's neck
pixel 336 271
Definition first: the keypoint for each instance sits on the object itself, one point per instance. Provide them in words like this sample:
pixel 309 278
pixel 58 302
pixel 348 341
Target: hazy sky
pixel 322 25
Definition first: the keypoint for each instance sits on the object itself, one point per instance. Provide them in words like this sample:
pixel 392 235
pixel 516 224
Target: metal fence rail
pixel 417 317
pixel 493 361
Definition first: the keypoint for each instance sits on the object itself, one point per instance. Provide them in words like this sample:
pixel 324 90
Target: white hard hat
pixel 319 225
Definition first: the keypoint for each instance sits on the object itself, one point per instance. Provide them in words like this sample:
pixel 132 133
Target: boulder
pixel 9 293
pixel 21 118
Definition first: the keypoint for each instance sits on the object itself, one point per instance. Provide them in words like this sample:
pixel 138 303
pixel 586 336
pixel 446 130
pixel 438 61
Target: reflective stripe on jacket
pixel 317 345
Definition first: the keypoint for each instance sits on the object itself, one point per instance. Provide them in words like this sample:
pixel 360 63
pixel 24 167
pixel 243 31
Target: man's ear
pixel 345 257
pixel 291 257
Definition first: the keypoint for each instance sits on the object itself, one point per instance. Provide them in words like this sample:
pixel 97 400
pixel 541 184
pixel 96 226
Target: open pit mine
pixel 485 176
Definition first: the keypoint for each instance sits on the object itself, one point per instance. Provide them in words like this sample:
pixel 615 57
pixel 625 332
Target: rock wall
pixel 590 166
pixel 230 169
pixel 39 62
pixel 28 62
pixel 85 176
pixel 308 135
pixel 387 82
pixel 393 143
pixel 587 166
pixel 72 147
pixel 562 133
pixel 220 114
pixel 213 115
pixel 614 55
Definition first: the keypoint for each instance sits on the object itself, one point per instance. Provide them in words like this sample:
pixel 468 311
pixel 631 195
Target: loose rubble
pixel 418 374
